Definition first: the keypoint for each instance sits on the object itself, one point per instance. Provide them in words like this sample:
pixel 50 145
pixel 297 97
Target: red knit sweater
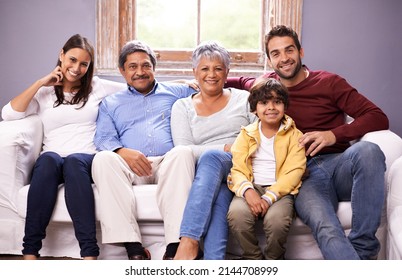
pixel 320 103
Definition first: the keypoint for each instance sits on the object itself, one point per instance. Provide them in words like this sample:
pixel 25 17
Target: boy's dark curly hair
pixel 262 91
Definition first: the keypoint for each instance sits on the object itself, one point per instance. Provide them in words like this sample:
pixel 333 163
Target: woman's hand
pixel 54 78
pixel 20 102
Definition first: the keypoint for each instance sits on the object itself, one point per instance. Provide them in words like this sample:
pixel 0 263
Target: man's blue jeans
pixel 356 175
pixel 49 171
pixel 208 204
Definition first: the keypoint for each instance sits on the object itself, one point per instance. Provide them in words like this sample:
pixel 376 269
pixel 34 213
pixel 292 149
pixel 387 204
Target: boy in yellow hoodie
pixel 268 164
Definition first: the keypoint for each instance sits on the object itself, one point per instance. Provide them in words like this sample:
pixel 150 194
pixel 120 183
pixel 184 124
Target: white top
pixel 67 130
pixel 214 131
pixel 263 161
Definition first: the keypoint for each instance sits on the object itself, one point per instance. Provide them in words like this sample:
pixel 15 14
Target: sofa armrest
pixel 20 145
pixel 394 199
pixel 389 142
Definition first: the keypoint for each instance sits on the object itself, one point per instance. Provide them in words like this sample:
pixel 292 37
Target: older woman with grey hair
pixel 209 122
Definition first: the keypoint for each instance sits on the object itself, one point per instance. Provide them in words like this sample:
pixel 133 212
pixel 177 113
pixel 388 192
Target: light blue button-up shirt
pixel 141 122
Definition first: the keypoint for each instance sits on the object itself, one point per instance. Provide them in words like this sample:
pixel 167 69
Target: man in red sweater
pixel 319 102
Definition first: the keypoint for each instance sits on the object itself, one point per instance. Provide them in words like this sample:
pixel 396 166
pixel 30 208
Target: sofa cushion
pixel 147 207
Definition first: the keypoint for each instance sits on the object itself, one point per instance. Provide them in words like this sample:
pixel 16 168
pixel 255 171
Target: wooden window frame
pixel 115 25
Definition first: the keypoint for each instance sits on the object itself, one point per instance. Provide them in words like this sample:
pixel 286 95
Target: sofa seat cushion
pixel 344 214
pixel 147 208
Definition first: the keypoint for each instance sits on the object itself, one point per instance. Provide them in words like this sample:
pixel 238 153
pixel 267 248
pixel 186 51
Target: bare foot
pixel 187 250
pixel 30 257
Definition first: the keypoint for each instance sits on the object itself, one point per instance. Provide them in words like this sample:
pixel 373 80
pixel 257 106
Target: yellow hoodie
pixel 290 161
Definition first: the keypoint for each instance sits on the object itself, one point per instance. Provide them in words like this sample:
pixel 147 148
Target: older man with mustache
pixel 134 137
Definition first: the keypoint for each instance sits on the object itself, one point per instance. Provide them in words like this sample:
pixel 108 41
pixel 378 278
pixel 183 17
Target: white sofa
pixel 20 145
pixel 394 211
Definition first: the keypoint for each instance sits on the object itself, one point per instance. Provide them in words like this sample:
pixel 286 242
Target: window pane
pixel 236 24
pixel 167 24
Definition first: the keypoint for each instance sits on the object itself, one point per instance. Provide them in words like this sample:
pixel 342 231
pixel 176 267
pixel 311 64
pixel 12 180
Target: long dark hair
pixel 85 88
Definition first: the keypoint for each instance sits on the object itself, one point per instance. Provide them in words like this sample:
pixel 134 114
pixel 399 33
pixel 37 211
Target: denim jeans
pixel 356 175
pixel 208 203
pixel 49 172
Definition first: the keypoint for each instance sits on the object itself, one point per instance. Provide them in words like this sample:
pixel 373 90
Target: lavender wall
pixel 32 33
pixel 362 41
pixel 359 39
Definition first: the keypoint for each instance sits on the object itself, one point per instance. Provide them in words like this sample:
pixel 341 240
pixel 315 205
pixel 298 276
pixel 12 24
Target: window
pixel 174 28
